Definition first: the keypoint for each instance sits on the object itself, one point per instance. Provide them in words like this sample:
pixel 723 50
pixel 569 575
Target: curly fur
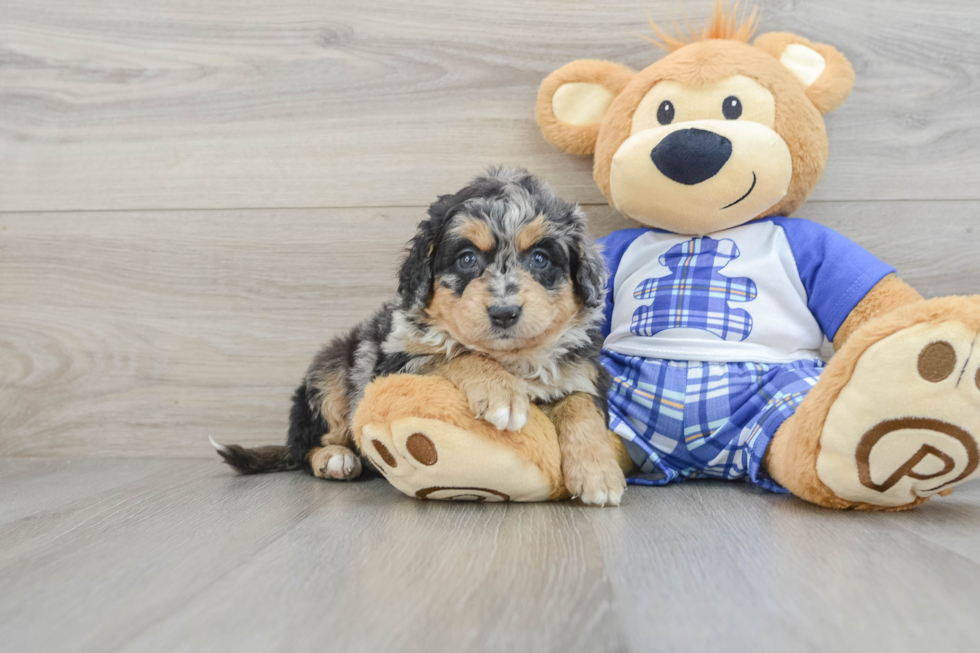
pixel 409 334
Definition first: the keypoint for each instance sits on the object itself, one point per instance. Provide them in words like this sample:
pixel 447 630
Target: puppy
pixel 501 292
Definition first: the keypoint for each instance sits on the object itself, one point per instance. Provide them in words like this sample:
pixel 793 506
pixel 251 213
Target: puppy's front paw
pixel 599 483
pixel 503 403
pixel 335 461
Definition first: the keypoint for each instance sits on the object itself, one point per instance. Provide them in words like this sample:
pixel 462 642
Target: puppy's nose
pixel 504 316
pixel 690 156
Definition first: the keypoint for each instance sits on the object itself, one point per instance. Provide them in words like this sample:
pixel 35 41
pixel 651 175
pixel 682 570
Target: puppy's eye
pixel 665 113
pixel 467 261
pixel 731 107
pixel 540 260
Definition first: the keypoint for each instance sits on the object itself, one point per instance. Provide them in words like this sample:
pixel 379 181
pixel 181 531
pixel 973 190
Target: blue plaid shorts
pixel 684 420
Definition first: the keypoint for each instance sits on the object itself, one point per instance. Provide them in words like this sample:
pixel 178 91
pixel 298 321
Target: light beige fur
pixel 792 456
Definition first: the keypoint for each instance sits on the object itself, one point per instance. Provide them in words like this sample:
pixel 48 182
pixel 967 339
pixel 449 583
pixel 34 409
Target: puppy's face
pixel 510 266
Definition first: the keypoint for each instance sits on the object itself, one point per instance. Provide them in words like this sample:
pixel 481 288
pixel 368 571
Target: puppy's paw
pixel 595 484
pixel 335 461
pixel 501 402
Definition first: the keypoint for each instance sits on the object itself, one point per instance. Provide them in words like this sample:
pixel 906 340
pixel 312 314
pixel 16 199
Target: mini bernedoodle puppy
pixel 501 293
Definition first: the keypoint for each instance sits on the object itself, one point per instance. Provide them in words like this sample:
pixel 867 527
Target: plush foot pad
pixel 433 459
pixel 907 424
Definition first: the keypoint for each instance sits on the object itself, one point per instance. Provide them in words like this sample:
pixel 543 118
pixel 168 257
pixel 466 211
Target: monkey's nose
pixel 690 156
pixel 504 316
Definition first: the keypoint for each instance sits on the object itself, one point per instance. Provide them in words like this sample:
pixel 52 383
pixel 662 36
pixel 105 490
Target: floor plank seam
pixel 352 207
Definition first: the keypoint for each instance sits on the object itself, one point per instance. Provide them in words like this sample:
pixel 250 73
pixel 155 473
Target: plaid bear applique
pixel 696 295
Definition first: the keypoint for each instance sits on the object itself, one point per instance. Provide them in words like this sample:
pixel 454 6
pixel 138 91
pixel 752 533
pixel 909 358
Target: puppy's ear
pixel 573 100
pixel 417 273
pixel 415 276
pixel 825 73
pixel 588 271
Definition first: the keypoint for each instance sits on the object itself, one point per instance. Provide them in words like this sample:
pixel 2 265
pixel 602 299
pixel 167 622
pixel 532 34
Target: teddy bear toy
pixel 717 308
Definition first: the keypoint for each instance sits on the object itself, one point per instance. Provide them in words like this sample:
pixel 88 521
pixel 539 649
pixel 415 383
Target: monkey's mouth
pixel 747 193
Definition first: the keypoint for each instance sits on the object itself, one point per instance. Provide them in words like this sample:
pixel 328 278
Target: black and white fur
pixel 403 337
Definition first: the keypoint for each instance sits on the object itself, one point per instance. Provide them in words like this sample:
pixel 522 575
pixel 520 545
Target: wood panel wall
pixel 195 196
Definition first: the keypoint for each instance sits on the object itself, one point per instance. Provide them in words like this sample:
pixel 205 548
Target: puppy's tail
pixel 257 460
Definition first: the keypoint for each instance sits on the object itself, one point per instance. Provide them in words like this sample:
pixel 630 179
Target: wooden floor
pixel 195 196
pixel 181 555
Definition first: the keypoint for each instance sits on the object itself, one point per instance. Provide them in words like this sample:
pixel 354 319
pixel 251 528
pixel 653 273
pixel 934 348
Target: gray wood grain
pixel 232 103
pixel 127 334
pixel 35 486
pixel 384 572
pixel 189 557
pixel 737 569
pixel 109 565
pixel 133 325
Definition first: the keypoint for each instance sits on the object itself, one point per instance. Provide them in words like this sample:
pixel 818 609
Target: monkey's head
pixel 715 134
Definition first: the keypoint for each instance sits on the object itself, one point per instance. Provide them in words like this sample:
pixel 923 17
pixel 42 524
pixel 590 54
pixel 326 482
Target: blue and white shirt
pixel 764 292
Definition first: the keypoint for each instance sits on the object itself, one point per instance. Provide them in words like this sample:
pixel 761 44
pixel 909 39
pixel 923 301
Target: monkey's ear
pixel 573 100
pixel 825 73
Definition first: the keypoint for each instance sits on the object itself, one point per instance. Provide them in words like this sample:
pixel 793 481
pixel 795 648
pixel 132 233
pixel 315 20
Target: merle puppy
pixel 501 293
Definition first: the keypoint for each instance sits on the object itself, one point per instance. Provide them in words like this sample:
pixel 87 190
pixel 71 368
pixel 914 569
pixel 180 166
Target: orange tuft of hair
pixel 724 24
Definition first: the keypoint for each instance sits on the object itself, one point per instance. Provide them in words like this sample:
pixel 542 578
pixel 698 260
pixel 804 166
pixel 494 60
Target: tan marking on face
pixel 464 317
pixel 477 232
pixel 544 316
pixel 530 234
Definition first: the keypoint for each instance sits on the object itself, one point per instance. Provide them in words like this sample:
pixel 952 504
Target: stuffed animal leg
pixel 421 434
pixel 895 417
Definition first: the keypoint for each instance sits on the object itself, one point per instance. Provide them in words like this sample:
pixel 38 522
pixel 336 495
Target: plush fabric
pixel 709 146
pixel 828 90
pixel 574 138
pixel 716 311
pixel 792 458
pixel 420 433
pixel 759 292
pixel 687 420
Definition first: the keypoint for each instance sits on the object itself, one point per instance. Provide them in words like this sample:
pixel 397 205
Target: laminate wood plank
pixel 723 567
pixel 30 485
pixel 191 557
pixel 243 103
pixel 91 575
pixel 129 334
pixel 954 525
pixel 382 572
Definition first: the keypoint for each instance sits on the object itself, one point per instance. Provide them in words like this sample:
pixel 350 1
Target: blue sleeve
pixel 613 247
pixel 836 272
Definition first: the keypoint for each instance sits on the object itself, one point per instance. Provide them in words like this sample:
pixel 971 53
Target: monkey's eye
pixel 540 260
pixel 467 261
pixel 665 113
pixel 731 107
